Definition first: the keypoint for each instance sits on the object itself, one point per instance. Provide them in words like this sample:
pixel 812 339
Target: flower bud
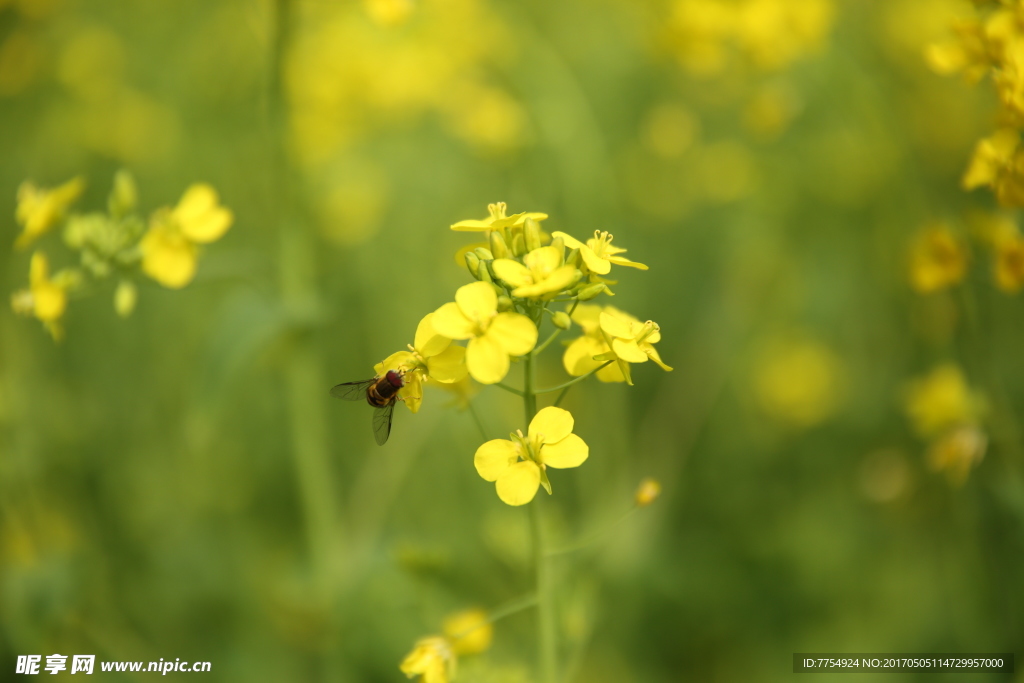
pixel 531 234
pixel 647 492
pixel 125 297
pixel 561 320
pixel 123 196
pixel 504 303
pixel 484 273
pixel 498 246
pixel 473 263
pixel 483 254
pixel 573 258
pixel 518 243
pixel 591 291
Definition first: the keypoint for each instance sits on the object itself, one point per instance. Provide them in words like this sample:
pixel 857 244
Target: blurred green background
pixel 179 484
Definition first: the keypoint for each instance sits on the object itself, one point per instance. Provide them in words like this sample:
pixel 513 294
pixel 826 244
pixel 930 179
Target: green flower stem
pixel 587 541
pixel 478 421
pixel 547 342
pixel 568 384
pixel 547 634
pixel 303 374
pixel 508 389
pixel 498 613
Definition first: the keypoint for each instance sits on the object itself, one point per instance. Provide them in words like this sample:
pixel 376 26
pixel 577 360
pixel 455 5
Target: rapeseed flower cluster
pixel 113 245
pixel 526 279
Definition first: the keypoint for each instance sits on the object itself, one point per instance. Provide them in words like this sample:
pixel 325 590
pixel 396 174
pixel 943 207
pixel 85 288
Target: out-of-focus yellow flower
pixel 488 118
pixel 797 380
pixel 1009 268
pixel 519 466
pixel 542 277
pixel 493 337
pixel 46 299
pixel 968 53
pixel 937 259
pixel 431 356
pixel 942 400
pixel 599 253
pixel 957 451
pixel 433 659
pixel 469 632
pixel 39 209
pixel 997 163
pixel 125 297
pixel 497 220
pixel 389 12
pixel 648 492
pixel 170 247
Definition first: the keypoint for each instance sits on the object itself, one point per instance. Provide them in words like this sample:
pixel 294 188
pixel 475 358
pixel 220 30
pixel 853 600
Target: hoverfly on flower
pixel 381 392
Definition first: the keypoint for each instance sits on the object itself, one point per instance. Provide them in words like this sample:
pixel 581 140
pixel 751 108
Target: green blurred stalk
pixel 547 634
pixel 302 368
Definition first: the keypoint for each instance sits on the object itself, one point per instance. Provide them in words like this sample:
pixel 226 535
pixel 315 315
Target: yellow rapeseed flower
pixel 39 209
pixel 431 356
pixel 968 53
pixel 998 163
pixel 1009 267
pixel 46 299
pixel 432 658
pixel 937 259
pixel 519 466
pixel 599 253
pixel 579 355
pixel 942 400
pixel 469 632
pixel 493 337
pixel 648 492
pixel 170 247
pixel 497 220
pixel 957 451
pixel 542 275
pixel 631 341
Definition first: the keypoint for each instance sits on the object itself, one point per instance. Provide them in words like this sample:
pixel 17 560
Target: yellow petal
pixel 588 316
pixel 486 360
pixel 553 283
pixel 199 216
pixel 616 325
pixel 612 373
pixel 554 424
pixel 412 393
pixel 571 451
pixel 579 355
pixel 544 259
pixel 628 350
pixel 428 341
pixel 652 353
pixel 494 457
pixel 471 226
pixel 594 262
pixel 469 631
pixel 450 322
pixel 623 261
pixel 168 257
pixel 399 359
pixel 512 272
pixel 449 365
pixel 569 240
pixel 518 484
pixel 477 301
pixel 513 332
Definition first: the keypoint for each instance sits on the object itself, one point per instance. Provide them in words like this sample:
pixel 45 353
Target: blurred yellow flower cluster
pixel 114 244
pixel 992 43
pixel 434 658
pixel 947 412
pixel 769 34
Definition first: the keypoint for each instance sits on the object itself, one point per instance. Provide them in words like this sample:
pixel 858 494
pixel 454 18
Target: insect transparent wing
pixel 352 391
pixel 382 423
